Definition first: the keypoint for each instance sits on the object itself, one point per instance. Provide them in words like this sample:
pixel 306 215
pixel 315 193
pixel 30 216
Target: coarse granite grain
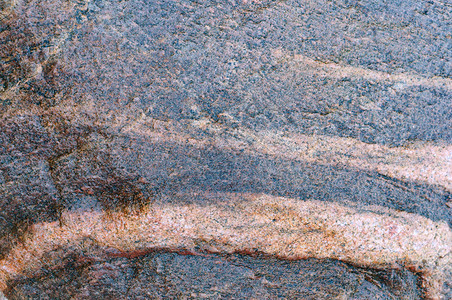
pixel 244 148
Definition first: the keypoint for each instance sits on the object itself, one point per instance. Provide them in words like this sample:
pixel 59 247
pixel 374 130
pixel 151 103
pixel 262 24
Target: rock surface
pixel 174 276
pixel 314 136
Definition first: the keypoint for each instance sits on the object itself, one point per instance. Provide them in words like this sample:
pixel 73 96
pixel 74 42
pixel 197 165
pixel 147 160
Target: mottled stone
pixel 313 134
pixel 173 276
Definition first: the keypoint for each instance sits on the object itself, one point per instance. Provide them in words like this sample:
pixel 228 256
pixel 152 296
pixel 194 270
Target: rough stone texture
pixel 199 125
pixel 174 276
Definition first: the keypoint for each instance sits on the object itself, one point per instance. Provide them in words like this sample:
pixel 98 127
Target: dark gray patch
pixel 163 275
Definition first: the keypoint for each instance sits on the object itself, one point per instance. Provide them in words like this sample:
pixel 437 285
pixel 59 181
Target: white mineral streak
pixel 374 236
pixel 335 70
pixel 425 162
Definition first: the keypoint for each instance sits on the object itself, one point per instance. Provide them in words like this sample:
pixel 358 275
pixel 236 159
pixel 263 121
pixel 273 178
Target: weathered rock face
pixel 316 130
pixel 171 275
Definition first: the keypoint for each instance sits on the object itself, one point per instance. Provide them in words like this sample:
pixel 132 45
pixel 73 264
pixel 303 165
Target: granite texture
pixel 162 275
pixel 235 149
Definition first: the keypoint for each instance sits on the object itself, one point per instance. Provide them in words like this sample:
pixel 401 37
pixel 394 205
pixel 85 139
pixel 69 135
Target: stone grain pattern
pixel 225 149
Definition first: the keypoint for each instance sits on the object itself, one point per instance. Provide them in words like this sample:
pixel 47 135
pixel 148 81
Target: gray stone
pixel 122 108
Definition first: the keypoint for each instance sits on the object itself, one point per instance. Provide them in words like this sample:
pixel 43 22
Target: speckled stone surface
pixel 171 275
pixel 225 149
